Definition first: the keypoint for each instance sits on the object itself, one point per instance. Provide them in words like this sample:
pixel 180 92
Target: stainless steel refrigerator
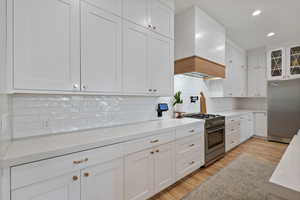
pixel 283 110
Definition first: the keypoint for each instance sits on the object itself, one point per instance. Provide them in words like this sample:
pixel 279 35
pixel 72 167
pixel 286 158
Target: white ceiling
pixel 279 16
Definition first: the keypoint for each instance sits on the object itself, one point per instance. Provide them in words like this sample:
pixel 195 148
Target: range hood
pixel 200 45
pixel 198 67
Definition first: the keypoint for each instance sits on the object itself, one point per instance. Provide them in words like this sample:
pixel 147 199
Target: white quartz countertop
pixel 32 149
pixel 239 112
pixel 287 173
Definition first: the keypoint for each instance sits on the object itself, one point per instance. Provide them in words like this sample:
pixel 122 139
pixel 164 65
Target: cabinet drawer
pixel 189 130
pixel 189 144
pixel 113 6
pixel 188 163
pixel 149 142
pixel 42 170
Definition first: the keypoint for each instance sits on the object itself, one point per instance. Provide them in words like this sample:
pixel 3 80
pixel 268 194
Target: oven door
pixel 215 138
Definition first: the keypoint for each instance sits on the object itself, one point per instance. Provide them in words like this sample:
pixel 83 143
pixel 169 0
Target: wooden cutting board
pixel 203 103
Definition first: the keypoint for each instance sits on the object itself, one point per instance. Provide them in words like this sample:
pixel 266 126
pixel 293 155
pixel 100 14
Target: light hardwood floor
pixel 260 148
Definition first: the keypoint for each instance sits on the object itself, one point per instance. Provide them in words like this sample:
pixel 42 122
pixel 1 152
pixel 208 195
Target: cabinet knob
pixel 75 178
pixel 84 87
pixel 154 27
pixel 75 86
pixel 155 90
pixel 150 90
pixel 157 151
pixel 192 131
pixel 191 145
pixel 86 174
pixel 192 162
pixel 149 26
pixel 152 152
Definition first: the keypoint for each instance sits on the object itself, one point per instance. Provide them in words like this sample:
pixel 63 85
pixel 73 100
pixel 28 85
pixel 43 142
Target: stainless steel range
pixel 214 136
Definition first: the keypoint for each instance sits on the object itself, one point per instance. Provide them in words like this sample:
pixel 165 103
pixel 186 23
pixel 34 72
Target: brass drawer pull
pixel 75 178
pixel 77 162
pixel 157 151
pixel 86 174
pixel 154 141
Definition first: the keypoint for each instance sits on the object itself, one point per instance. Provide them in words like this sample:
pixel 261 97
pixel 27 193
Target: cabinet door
pixel 161 65
pixel 104 181
pixel 261 124
pixel 137 11
pixel 139 175
pixel 46 50
pixel 66 187
pixel 164 166
pixel 162 18
pixel 293 62
pixel 252 84
pixel 135 59
pixel 101 50
pixel 244 126
pixel 261 82
pixel 276 64
pixel 114 6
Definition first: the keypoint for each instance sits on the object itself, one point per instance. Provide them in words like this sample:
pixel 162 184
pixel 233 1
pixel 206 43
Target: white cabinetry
pixel 148 62
pixel 257 76
pixel 260 121
pixel 149 172
pixel 246 127
pixel 46 54
pixel 81 48
pixel 232 132
pixel 101 37
pixel 104 181
pixel 293 61
pixel 64 187
pixel 152 14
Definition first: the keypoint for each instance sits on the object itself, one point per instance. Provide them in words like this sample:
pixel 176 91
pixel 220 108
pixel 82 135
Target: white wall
pixel 191 86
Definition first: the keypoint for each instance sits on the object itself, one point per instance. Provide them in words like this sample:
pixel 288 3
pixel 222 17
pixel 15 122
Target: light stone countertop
pixel 287 172
pixel 239 112
pixel 33 149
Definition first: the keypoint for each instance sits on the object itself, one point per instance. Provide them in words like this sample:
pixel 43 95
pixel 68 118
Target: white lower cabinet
pixel 246 127
pixel 260 121
pixel 133 170
pixel 64 187
pixel 104 181
pixel 148 172
pixel 232 132
pixel 139 175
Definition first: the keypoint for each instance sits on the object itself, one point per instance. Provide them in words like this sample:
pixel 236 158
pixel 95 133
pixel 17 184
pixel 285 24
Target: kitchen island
pixel 285 181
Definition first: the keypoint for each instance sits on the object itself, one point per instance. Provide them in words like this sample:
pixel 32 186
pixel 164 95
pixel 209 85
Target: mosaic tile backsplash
pixel 34 115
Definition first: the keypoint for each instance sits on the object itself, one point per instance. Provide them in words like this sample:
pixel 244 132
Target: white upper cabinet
pixel 293 62
pixel 46 52
pixel 137 11
pixel 135 59
pixel 101 50
pixel 257 76
pixel 162 18
pixel 64 187
pixel 114 6
pixel 103 181
pixel 276 64
pixel 161 65
pixel 153 14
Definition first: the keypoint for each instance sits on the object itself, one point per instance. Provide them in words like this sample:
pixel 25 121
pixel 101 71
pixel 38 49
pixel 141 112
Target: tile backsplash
pixel 34 115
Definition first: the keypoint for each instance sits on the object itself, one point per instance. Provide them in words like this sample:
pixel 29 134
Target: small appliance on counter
pixel 162 107
pixel 214 136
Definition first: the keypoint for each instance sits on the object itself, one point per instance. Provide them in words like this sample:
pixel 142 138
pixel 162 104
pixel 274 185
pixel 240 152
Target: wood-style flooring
pixel 260 148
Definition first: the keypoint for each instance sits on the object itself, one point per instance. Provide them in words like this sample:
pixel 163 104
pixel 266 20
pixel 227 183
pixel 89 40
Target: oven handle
pixel 216 129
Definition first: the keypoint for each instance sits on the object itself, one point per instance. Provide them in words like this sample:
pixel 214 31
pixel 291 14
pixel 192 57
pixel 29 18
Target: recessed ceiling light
pixel 271 34
pixel 256 12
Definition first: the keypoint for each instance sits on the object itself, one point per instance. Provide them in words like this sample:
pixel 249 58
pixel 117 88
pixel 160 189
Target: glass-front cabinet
pixel 293 62
pixel 276 64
